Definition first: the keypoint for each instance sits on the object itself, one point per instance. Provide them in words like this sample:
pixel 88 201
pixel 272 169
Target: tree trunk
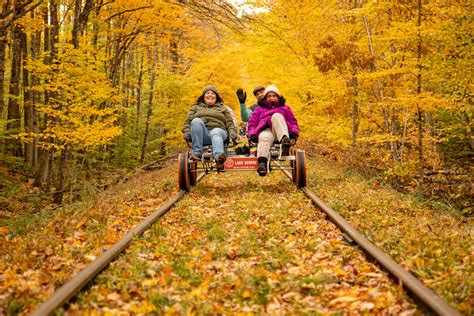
pixel 6 6
pixel 418 91
pixel 395 128
pixel 63 173
pixel 355 105
pixel 41 177
pixel 14 116
pixel 125 67
pixel 163 143
pixel 81 16
pixel 35 49
pixel 28 102
pixel 54 32
pixel 469 131
pixel 44 174
pixel 75 27
pixel 115 65
pixel 390 119
pixel 95 29
pixel 3 44
pixel 174 55
pixel 153 57
pixel 139 93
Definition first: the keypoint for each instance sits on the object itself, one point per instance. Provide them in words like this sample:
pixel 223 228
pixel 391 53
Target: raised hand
pixel 242 95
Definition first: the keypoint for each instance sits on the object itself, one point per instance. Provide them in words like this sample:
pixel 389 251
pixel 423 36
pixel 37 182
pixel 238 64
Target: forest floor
pixel 238 243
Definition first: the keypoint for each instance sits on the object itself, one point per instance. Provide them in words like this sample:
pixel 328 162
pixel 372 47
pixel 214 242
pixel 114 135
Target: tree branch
pixel 127 11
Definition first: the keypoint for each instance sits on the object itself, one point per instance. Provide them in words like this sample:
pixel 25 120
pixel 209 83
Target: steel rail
pixel 428 297
pixel 425 295
pixel 70 288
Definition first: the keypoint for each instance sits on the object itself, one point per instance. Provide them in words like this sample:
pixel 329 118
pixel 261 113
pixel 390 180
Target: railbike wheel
pixel 192 173
pixel 300 169
pixel 293 165
pixel 183 172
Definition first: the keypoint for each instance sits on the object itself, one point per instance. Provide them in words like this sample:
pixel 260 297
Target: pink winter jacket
pixel 262 117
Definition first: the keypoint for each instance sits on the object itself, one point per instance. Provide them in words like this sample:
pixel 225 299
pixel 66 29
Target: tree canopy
pixel 387 86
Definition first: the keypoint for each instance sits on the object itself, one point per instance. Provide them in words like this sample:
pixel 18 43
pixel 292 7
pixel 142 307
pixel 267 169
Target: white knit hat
pixel 272 88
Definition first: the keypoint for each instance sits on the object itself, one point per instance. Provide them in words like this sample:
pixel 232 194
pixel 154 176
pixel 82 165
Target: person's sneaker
pixel 285 145
pixel 221 158
pixel 196 156
pixel 262 166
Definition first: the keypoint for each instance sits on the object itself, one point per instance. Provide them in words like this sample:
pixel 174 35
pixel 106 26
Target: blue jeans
pixel 202 136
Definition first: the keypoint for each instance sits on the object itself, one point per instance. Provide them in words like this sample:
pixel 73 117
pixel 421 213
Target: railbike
pixel 188 169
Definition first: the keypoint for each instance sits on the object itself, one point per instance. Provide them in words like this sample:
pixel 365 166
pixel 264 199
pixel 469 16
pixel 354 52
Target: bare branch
pixel 127 11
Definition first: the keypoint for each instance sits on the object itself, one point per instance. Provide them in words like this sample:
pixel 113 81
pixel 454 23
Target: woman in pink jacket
pixel 272 120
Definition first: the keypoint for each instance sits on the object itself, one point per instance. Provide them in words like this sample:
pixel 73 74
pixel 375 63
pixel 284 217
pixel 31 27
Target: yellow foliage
pixel 76 111
pixel 30 24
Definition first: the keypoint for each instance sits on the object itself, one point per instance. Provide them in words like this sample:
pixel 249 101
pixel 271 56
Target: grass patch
pixel 262 290
pixel 23 223
pixel 181 268
pixel 158 230
pixel 161 301
pixel 214 230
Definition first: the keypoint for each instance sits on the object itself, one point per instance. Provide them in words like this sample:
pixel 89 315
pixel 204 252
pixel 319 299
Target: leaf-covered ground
pixel 237 243
pixel 426 237
pixel 233 246
pixel 40 252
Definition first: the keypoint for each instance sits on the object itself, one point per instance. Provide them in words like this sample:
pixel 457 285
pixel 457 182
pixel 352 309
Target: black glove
pixel 232 135
pixel 187 137
pixel 293 137
pixel 254 139
pixel 241 95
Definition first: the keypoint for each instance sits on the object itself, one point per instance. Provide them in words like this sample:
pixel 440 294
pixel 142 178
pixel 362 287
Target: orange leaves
pixel 58 244
pixel 219 251
pixel 337 53
pixel 207 257
pixel 3 230
pixel 201 291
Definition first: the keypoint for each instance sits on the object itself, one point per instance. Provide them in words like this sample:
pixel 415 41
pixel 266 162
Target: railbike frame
pixel 188 168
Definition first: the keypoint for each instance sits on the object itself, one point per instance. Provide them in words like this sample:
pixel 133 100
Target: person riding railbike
pixel 272 120
pixel 245 114
pixel 208 122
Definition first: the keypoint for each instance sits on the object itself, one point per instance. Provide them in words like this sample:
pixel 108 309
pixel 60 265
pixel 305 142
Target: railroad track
pixel 425 297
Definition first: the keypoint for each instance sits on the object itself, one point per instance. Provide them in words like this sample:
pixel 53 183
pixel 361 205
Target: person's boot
pixel 262 166
pixel 246 150
pixel 195 156
pixel 221 158
pixel 285 145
